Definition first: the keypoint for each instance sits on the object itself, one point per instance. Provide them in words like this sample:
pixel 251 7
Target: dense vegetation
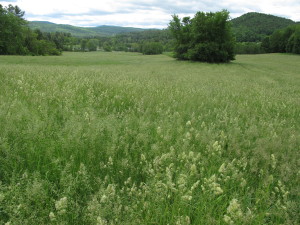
pixel 207 37
pixel 284 40
pixel 17 39
pixel 120 138
pixel 254 27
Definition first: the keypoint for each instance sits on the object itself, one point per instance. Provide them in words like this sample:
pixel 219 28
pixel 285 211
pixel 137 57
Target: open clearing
pixel 122 138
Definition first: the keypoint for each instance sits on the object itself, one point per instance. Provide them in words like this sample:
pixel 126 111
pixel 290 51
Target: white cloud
pixel 144 13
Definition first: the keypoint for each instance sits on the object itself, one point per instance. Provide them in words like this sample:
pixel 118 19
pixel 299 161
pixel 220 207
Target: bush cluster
pixel 207 37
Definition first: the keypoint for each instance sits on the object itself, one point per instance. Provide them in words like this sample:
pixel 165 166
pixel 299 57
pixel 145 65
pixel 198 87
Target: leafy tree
pixel 265 45
pixel 207 37
pixel 83 44
pixel 11 30
pixel 92 44
pixel 152 48
pixel 286 40
pixel 248 48
pixel 17 39
pixel 107 47
pixel 293 45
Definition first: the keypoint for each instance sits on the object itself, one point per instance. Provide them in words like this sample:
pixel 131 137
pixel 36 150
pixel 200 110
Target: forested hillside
pixel 253 27
pixel 45 26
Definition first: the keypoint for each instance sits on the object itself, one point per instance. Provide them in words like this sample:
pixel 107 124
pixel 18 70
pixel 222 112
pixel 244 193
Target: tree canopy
pixel 207 37
pixel 284 40
pixel 254 27
pixel 16 38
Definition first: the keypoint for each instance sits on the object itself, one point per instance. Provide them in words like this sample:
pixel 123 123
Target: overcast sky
pixel 144 13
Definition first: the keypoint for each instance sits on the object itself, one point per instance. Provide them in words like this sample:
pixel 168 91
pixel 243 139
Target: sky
pixel 144 13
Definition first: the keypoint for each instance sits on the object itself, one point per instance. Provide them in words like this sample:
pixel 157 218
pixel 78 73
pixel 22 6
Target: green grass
pixel 123 138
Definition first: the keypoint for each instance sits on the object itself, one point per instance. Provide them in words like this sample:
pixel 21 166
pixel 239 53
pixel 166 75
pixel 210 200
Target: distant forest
pixel 254 33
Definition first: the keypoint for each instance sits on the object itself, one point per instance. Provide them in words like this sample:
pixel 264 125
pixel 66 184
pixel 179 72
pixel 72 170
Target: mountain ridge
pixel 101 30
pixel 249 27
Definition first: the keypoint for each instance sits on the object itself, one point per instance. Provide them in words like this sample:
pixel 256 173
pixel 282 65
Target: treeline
pixel 18 39
pixel 285 40
pixel 147 42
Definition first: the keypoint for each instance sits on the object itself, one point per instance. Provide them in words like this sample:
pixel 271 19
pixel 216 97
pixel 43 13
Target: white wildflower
pixel 273 161
pixel 101 221
pixel 227 219
pixel 187 197
pixel 218 190
pixel 234 212
pixel 61 205
pixel 212 185
pixel 222 168
pixel 193 169
pixel 216 147
pixel 243 182
pixel 1 197
pixel 188 136
pixel 183 220
pixel 158 130
pixel 103 199
pixel 52 216
pixel 195 185
pixel 188 123
pixel 110 161
pixel 143 157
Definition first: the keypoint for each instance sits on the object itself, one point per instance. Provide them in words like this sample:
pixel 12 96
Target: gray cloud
pixel 144 13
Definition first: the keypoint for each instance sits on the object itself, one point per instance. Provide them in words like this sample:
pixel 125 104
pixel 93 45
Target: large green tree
pixel 17 39
pixel 207 37
pixel 12 26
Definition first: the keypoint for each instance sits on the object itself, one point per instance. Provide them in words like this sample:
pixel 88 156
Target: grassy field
pixel 122 138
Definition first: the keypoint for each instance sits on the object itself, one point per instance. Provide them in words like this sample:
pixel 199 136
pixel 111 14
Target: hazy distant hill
pixel 81 31
pixel 250 27
pixel 255 26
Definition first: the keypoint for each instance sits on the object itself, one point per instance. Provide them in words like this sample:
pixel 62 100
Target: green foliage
pixel 249 48
pixel 11 26
pixel 207 37
pixel 134 41
pixel 285 40
pixel 92 44
pixel 107 47
pixel 120 138
pixel 83 44
pixel 17 39
pixel 254 27
pixel 152 48
pixel 293 44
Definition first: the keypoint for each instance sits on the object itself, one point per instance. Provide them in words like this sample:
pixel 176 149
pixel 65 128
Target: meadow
pixel 123 138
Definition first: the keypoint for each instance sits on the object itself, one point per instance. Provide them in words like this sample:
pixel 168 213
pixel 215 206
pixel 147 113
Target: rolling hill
pixel 252 27
pixel 104 30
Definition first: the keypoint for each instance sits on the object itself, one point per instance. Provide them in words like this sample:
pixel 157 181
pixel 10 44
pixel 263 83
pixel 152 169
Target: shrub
pixel 206 37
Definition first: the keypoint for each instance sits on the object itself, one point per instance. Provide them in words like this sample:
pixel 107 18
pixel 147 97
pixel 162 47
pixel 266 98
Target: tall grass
pixel 121 138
